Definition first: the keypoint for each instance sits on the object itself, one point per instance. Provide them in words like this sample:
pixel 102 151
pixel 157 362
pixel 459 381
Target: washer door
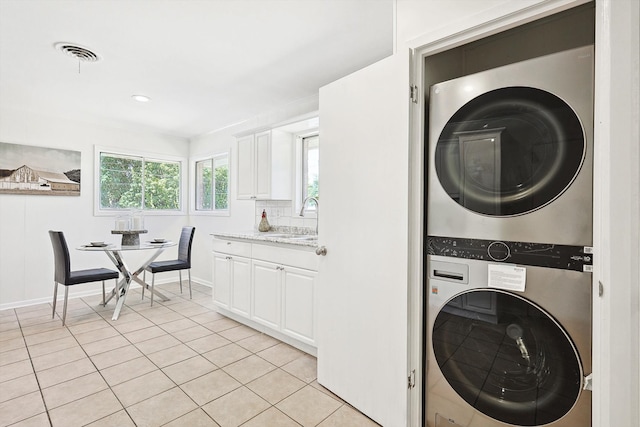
pixel 507 357
pixel 510 151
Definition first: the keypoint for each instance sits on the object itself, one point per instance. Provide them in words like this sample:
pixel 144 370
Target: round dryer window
pixel 512 362
pixel 510 151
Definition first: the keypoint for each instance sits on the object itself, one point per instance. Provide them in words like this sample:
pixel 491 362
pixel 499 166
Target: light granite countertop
pixel 287 235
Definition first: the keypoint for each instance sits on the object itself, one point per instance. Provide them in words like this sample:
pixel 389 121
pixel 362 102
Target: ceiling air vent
pixel 76 51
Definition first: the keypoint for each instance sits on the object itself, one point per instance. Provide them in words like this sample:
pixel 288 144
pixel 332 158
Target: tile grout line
pixel 44 403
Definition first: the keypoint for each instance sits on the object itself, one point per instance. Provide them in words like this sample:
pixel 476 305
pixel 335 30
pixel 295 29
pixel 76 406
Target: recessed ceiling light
pixel 141 98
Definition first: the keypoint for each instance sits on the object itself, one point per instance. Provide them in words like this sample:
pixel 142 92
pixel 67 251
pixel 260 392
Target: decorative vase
pixel 264 224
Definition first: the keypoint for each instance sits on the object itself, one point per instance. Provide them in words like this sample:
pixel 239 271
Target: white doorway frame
pixel 511 15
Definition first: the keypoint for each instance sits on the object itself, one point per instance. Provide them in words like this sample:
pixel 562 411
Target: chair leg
pixel 104 296
pixel 180 276
pixel 190 293
pixel 144 279
pixel 55 298
pixel 64 310
pixel 153 280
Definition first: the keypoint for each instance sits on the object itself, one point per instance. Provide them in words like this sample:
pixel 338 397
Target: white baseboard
pixel 88 293
pixel 309 349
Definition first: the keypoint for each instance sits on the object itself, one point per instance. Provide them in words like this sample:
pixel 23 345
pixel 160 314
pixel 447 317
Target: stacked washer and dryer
pixel 509 224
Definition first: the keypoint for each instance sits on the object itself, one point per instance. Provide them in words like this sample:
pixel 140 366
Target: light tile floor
pixel 178 363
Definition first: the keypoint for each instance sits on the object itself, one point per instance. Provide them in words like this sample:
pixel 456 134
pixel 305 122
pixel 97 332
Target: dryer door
pixel 510 151
pixel 507 357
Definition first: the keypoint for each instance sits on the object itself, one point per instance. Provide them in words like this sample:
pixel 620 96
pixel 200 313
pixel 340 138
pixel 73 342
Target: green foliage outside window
pixel 136 183
pixel 222 187
pixel 212 184
pixel 162 185
pixel 312 188
pixel 310 166
pixel 204 186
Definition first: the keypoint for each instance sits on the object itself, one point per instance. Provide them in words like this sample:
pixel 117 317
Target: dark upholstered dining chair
pixel 182 263
pixel 66 277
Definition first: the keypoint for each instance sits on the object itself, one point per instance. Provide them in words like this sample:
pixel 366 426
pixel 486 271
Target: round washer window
pixel 510 151
pixel 512 362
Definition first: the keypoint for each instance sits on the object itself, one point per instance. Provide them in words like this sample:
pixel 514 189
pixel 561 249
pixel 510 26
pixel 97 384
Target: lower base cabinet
pixel 232 282
pixel 266 293
pixel 298 303
pixel 278 297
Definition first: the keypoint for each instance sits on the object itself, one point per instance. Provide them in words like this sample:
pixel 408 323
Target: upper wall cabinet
pixel 265 165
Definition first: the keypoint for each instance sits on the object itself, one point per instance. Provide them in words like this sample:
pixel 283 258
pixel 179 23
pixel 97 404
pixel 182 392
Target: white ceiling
pixel 205 64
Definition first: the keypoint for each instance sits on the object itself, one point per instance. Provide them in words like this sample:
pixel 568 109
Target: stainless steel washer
pixel 498 355
pixel 511 152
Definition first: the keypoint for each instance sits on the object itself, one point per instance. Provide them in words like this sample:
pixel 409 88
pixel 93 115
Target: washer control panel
pixel 565 257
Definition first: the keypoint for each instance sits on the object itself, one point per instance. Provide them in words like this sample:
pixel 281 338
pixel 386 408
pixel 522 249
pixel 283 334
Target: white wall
pixel 26 257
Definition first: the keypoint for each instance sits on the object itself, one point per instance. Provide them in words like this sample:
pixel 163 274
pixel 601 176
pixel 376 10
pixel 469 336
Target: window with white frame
pixel 212 184
pixel 128 181
pixel 310 168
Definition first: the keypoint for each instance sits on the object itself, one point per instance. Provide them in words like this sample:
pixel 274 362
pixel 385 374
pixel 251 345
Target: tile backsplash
pixel 281 213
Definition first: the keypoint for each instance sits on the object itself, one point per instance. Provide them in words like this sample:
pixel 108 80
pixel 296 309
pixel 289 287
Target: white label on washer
pixel 509 277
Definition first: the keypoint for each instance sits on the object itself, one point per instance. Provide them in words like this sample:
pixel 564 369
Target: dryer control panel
pixel 565 257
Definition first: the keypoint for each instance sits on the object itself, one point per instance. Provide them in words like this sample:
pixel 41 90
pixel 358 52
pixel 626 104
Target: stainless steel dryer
pixel 500 355
pixel 511 152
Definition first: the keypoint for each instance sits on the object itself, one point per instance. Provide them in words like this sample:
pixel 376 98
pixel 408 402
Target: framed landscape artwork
pixel 27 169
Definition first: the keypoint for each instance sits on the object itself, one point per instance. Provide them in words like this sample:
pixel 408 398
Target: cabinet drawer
pixel 301 258
pixel 232 247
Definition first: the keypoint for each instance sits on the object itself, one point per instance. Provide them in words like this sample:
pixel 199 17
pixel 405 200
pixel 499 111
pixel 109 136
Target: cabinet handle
pixel 321 251
pixel 228 257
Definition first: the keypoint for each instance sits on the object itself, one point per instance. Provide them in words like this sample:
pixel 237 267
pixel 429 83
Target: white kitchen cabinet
pixel 265 166
pixel 246 167
pixel 232 282
pixel 232 276
pixel 284 299
pixel 298 303
pixel 271 288
pixel 266 293
pixel 240 288
pixel 221 279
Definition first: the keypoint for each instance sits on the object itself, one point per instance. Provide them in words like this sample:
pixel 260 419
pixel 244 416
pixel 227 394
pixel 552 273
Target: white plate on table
pixel 96 245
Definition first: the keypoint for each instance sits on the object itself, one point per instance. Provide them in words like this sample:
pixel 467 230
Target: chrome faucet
pixel 304 204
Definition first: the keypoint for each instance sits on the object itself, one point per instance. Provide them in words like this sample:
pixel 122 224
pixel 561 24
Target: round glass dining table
pixel 115 254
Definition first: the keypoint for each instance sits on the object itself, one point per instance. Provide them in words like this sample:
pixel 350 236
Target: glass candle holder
pixel 137 221
pixel 123 223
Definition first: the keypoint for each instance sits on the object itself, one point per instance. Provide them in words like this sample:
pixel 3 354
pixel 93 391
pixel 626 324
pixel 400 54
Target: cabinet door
pixel 221 279
pixel 246 168
pixel 298 299
pixel 282 165
pixel 241 285
pixel 266 293
pixel 263 165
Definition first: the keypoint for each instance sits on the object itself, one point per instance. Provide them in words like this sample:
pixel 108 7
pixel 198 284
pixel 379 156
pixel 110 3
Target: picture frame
pixel 28 169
